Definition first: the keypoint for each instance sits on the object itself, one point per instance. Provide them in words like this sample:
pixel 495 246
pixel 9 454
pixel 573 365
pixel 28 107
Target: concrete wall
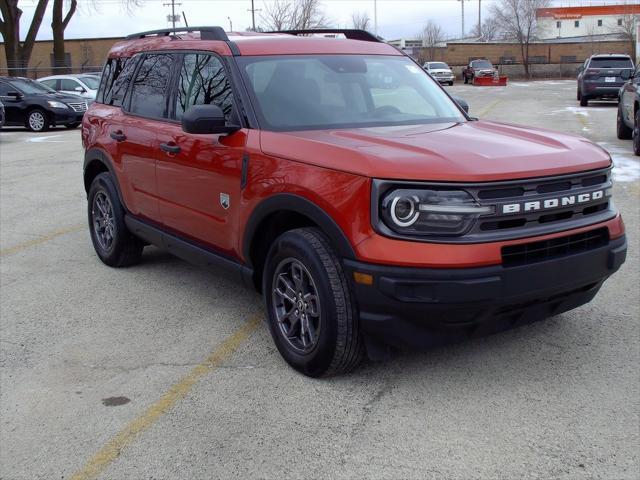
pixel 85 54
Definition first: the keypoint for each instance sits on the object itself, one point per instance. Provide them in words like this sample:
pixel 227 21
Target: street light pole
pixel 230 24
pixel 375 16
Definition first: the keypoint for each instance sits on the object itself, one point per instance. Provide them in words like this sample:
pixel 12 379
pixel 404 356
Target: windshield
pixel 438 66
pixel 90 81
pixel 481 64
pixel 29 87
pixel 615 62
pixel 343 91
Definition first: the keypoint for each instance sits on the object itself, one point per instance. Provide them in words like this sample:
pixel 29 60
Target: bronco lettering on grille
pixel 557 202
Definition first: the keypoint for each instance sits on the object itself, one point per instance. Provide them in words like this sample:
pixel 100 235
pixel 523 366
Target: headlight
pixel 430 211
pixel 54 104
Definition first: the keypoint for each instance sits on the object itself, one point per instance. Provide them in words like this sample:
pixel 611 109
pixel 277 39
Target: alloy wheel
pixel 103 220
pixel 297 305
pixel 36 121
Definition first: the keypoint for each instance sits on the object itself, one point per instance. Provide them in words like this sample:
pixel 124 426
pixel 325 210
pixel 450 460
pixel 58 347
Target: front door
pixel 198 176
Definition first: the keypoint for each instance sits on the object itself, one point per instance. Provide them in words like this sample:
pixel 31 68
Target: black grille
pixel 527 253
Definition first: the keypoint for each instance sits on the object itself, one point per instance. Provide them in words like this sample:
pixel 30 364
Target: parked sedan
pixel 83 84
pixel 601 77
pixel 440 71
pixel 628 121
pixel 37 107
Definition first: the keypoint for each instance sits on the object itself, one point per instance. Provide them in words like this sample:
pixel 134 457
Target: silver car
pixel 83 85
pixel 440 71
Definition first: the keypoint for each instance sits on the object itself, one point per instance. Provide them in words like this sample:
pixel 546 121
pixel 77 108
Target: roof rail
pixel 351 34
pixel 206 33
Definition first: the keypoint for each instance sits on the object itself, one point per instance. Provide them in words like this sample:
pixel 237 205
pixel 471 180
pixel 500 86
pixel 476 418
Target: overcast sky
pixel 396 18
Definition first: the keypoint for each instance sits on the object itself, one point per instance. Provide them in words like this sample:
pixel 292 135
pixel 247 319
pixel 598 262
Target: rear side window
pixel 50 83
pixel 115 80
pixel 68 84
pixel 203 80
pixel 613 62
pixel 149 88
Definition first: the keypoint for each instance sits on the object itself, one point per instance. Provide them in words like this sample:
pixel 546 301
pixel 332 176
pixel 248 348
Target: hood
pixel 474 151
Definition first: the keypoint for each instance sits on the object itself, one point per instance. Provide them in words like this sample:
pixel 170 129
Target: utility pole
pixel 462 2
pixel 253 11
pixel 173 11
pixel 230 24
pixel 480 17
pixel 375 17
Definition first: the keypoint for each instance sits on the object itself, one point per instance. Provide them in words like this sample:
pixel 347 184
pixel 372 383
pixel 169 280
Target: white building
pixel 564 22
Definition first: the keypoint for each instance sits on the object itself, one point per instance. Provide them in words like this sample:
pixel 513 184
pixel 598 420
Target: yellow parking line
pixel 130 432
pixel 38 241
pixel 490 107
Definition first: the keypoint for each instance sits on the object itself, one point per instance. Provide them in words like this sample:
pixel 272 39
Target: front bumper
pixel 63 117
pixel 421 307
pixel 445 79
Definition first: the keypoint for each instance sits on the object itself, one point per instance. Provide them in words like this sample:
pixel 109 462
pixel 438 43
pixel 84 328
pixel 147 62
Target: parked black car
pixel 1 114
pixel 38 107
pixel 600 77
pixel 628 123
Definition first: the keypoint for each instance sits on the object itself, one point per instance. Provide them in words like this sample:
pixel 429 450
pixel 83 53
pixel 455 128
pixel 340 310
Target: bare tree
pixel 18 53
pixel 627 29
pixel 517 19
pixel 294 15
pixel 59 22
pixel 432 35
pixel 361 20
pixel 488 31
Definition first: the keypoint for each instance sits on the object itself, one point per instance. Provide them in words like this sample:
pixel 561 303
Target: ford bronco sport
pixel 339 179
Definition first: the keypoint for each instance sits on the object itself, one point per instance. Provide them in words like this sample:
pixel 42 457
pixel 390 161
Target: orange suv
pixel 330 172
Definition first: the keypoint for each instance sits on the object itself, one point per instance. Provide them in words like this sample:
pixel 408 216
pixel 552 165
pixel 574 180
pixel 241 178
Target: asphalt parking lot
pixel 165 371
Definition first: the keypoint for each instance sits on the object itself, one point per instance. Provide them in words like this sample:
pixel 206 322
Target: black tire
pixel 584 101
pixel 37 120
pixel 338 345
pixel 71 126
pixel 578 94
pixel 124 249
pixel 451 84
pixel 636 134
pixel 622 130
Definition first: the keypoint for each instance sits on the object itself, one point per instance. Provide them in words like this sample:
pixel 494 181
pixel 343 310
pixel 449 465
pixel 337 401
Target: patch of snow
pixel 626 166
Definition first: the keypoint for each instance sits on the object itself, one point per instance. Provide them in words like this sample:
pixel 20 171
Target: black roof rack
pixel 206 33
pixel 349 33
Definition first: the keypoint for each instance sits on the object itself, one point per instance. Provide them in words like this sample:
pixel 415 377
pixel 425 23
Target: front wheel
pixel 451 84
pixel 310 308
pixel 37 121
pixel 623 132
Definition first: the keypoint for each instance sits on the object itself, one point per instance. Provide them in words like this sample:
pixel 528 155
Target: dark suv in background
pixel 601 77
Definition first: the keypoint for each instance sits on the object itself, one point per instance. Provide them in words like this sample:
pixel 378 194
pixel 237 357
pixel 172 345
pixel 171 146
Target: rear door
pixel 199 175
pixel 14 108
pixel 145 111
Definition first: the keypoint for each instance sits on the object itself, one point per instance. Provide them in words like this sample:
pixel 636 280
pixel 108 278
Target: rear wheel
pixel 584 101
pixel 623 132
pixel 310 308
pixel 578 94
pixel 636 134
pixel 37 121
pixel 112 241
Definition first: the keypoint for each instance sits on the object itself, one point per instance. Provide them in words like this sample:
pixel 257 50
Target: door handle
pixel 170 148
pixel 118 136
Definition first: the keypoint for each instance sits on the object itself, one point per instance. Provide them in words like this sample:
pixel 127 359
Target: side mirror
pixel 625 74
pixel 462 102
pixel 206 119
pixel 14 94
pixel 79 89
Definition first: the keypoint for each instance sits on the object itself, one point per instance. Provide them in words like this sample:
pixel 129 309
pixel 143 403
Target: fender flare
pixel 295 203
pixel 99 155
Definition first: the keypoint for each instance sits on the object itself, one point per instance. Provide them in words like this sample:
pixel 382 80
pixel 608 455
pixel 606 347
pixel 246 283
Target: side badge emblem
pixel 225 201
